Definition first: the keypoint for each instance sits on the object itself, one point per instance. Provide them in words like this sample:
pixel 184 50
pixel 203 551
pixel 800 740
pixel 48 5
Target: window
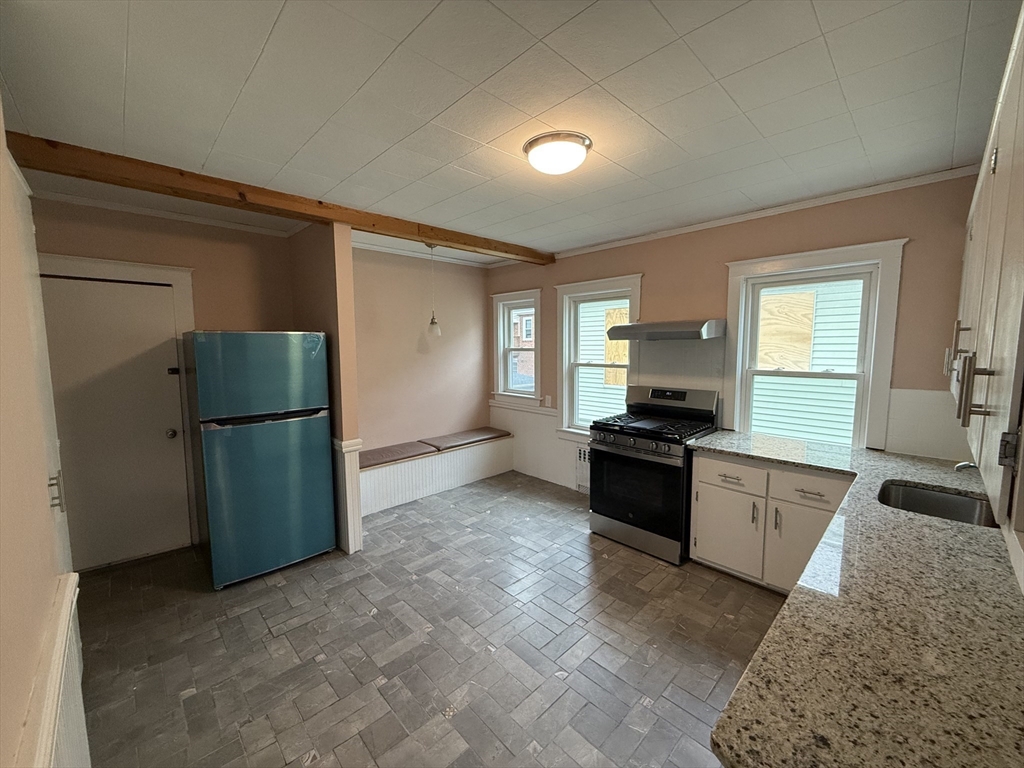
pixel 806 369
pixel 594 367
pixel 810 344
pixel 516 324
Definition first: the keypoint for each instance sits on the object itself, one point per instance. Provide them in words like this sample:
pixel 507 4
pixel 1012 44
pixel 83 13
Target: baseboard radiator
pixel 60 740
pixel 583 469
pixel 389 485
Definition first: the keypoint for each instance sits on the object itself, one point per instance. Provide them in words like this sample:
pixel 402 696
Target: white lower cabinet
pixel 791 532
pixel 730 529
pixel 763 537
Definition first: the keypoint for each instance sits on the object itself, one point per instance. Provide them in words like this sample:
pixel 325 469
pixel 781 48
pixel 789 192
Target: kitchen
pixel 667 459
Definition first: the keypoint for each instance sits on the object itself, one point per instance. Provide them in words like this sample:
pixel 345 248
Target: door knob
pixel 171 434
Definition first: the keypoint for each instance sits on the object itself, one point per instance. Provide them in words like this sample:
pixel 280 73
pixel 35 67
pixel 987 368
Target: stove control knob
pixel 611 438
pixel 655 446
pixel 632 442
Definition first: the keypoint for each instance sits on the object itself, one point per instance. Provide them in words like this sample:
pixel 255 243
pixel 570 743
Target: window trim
pixel 515 300
pixel 525 321
pixel 568 295
pixel 886 257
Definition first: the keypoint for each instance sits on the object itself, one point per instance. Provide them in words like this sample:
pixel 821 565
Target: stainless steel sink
pixel 948 506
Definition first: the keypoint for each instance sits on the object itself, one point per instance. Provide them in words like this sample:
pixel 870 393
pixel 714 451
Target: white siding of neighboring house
pixel 816 409
pixel 594 398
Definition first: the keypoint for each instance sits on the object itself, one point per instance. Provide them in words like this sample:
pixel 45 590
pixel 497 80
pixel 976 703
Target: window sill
pixel 527 404
pixel 573 435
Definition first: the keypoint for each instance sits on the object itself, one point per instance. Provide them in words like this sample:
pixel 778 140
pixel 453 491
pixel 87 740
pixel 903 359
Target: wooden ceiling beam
pixel 82 163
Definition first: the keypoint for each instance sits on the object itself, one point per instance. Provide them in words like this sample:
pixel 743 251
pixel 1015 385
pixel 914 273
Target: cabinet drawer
pixel 735 476
pixel 812 490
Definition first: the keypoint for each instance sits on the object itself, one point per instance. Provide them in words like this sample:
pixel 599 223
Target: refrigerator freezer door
pixel 243 374
pixel 270 495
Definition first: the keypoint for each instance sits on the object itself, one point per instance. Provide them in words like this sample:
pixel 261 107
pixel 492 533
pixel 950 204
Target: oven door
pixel 646 492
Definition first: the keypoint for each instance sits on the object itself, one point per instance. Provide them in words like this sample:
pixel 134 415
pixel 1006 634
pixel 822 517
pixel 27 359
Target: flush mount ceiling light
pixel 557 152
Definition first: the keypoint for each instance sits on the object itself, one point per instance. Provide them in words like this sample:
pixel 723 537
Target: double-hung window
pixel 594 367
pixel 517 323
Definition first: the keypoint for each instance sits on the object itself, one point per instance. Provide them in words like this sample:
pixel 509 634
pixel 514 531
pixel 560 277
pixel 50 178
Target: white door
pixel 791 533
pixel 728 529
pixel 119 417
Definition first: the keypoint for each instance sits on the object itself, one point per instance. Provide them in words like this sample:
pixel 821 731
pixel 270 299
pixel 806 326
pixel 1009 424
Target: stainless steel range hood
pixel 681 329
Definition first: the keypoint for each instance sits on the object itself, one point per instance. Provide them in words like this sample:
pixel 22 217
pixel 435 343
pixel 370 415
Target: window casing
pixel 517 353
pixel 594 369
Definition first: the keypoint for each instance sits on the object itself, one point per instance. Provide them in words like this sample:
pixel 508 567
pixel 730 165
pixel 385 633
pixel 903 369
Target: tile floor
pixel 481 626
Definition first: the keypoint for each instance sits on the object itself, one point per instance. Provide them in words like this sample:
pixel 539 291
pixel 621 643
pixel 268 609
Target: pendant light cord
pixel 431 247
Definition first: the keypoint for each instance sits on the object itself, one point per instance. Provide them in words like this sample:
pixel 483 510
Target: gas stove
pixel 658 421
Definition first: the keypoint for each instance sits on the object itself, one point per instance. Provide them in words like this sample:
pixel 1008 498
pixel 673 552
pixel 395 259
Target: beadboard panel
pixel 539 450
pixel 393 484
pixel 922 422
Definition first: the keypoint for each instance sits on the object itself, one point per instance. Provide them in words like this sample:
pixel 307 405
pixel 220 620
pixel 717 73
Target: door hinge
pixel 695 541
pixel 995 159
pixel 696 496
pixel 1008 443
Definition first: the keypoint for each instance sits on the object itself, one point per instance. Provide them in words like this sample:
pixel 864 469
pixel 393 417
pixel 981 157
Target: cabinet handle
pixel 730 477
pixel 753 512
pixel 805 492
pixel 776 518
pixel 966 407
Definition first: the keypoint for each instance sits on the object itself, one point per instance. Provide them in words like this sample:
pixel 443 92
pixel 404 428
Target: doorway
pixel 114 359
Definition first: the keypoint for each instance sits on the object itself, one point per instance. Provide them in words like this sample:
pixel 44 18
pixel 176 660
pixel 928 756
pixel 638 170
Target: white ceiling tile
pixel 354 195
pixel 695 110
pixel 664 154
pixel 905 109
pixel 489 162
pixel 415 84
pixel 985 59
pixel 410 200
pixel 840 177
pixel 542 16
pixel 463 204
pixel 908 134
pixel 828 131
pixel 499 212
pixel 973 124
pixel 907 74
pixel 602 177
pixel 315 59
pixel 752 33
pixel 511 142
pixel 985 12
pixel 588 109
pixel 186 64
pixel 536 81
pixel 371 116
pixel 395 18
pixel 405 163
pixel 768 194
pixel 924 157
pixel 611 35
pixel 375 178
pixel 805 108
pixel 592 201
pixel 470 38
pixel 794 71
pixel 64 66
pixel 832 154
pixel 244 169
pixel 744 156
pixel 453 179
pixel 439 143
pixel 712 139
pixel 666 74
pixel 481 116
pixel 688 16
pixel 296 182
pixel 337 151
pixel 911 26
pixel 12 117
pixel 627 138
pixel 555 188
pixel 833 14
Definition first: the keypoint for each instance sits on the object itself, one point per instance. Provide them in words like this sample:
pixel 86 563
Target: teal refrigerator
pixel 264 476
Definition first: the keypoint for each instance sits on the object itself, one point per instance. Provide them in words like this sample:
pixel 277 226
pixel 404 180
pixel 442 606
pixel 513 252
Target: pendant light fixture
pixel 557 152
pixel 434 327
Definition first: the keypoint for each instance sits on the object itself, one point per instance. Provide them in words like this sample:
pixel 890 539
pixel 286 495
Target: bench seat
pixel 392 453
pixel 469 437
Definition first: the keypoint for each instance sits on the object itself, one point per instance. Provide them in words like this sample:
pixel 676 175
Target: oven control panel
pixel 675 395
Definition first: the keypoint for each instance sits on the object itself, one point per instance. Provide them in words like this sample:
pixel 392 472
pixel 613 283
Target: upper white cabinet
pixel 760 520
pixel 985 360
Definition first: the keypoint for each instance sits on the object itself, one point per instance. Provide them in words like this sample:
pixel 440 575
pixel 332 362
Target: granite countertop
pixel 902 643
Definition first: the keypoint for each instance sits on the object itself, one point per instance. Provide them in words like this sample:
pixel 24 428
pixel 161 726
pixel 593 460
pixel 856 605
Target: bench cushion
pixel 390 453
pixel 470 436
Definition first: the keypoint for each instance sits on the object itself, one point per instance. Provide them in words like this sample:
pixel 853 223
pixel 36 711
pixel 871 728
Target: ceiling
pixel 699 109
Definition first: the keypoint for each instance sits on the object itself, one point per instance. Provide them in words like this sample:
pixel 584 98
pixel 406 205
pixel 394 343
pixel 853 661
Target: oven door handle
pixel 674 461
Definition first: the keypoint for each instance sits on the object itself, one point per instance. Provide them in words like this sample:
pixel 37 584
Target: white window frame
pixel 569 295
pixel 503 304
pixel 883 260
pixel 524 335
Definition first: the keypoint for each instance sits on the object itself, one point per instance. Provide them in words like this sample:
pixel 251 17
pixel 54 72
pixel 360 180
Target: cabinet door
pixel 791 534
pixel 728 529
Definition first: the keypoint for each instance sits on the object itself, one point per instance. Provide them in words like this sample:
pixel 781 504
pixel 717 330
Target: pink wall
pixel 240 280
pixel 685 277
pixel 412 385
